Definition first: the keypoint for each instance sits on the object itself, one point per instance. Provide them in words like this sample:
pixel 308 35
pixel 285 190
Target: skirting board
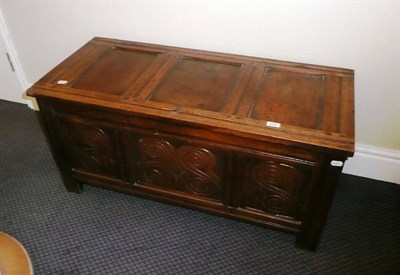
pixel 375 163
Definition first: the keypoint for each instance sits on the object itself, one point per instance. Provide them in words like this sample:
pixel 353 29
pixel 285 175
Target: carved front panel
pixel 277 187
pixel 87 147
pixel 178 166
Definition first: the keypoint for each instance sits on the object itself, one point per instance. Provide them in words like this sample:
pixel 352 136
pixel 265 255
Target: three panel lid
pixel 269 99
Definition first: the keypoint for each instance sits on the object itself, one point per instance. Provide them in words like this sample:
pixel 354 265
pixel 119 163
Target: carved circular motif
pixel 94 136
pixel 275 203
pixel 266 173
pixel 156 149
pixel 194 159
pixel 198 186
pixel 89 161
pixel 152 175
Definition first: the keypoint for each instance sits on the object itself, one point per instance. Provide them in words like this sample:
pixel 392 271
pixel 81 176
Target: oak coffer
pixel 254 139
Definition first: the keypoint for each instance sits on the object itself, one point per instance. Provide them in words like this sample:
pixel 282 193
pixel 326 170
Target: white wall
pixel 363 36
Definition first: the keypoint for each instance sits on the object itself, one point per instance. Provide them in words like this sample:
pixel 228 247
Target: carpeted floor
pixel 103 232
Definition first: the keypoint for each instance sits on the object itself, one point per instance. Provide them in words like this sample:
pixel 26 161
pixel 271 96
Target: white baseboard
pixel 375 163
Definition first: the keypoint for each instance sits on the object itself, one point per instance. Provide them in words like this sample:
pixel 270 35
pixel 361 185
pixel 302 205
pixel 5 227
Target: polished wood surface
pixel 14 260
pixel 243 137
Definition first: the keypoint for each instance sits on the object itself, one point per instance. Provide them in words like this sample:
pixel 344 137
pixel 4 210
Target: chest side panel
pixel 87 146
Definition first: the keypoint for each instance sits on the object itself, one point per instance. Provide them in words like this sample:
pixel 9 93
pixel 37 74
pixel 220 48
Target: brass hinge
pixel 10 62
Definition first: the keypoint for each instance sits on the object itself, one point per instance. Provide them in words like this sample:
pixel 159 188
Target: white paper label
pixel 62 82
pixel 273 124
pixel 337 163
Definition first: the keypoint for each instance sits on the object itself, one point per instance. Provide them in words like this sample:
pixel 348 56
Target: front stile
pixel 47 118
pixel 314 220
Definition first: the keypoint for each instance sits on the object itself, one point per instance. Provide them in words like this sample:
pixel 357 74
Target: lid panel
pixel 310 104
pixel 115 71
pixel 331 105
pixel 288 98
pixel 197 83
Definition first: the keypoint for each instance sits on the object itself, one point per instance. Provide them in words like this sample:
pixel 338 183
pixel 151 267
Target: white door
pixel 10 88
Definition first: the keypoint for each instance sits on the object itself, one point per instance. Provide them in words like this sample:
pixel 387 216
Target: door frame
pixel 20 74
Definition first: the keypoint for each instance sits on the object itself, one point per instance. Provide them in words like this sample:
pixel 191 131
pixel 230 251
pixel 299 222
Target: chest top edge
pixel 287 100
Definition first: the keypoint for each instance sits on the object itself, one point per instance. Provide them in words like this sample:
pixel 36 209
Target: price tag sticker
pixel 337 163
pixel 273 124
pixel 62 82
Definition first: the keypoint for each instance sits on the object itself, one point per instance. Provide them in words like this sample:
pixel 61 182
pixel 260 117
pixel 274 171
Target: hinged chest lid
pixel 292 102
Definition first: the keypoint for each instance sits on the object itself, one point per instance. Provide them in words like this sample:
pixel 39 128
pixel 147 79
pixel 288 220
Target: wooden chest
pixel 254 139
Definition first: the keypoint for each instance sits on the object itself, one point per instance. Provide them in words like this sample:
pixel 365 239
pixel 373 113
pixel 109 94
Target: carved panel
pixel 88 147
pixel 180 167
pixel 277 187
pixel 157 161
pixel 196 171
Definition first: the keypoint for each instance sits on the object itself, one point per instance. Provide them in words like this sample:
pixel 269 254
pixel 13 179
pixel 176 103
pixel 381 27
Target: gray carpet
pixel 103 232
